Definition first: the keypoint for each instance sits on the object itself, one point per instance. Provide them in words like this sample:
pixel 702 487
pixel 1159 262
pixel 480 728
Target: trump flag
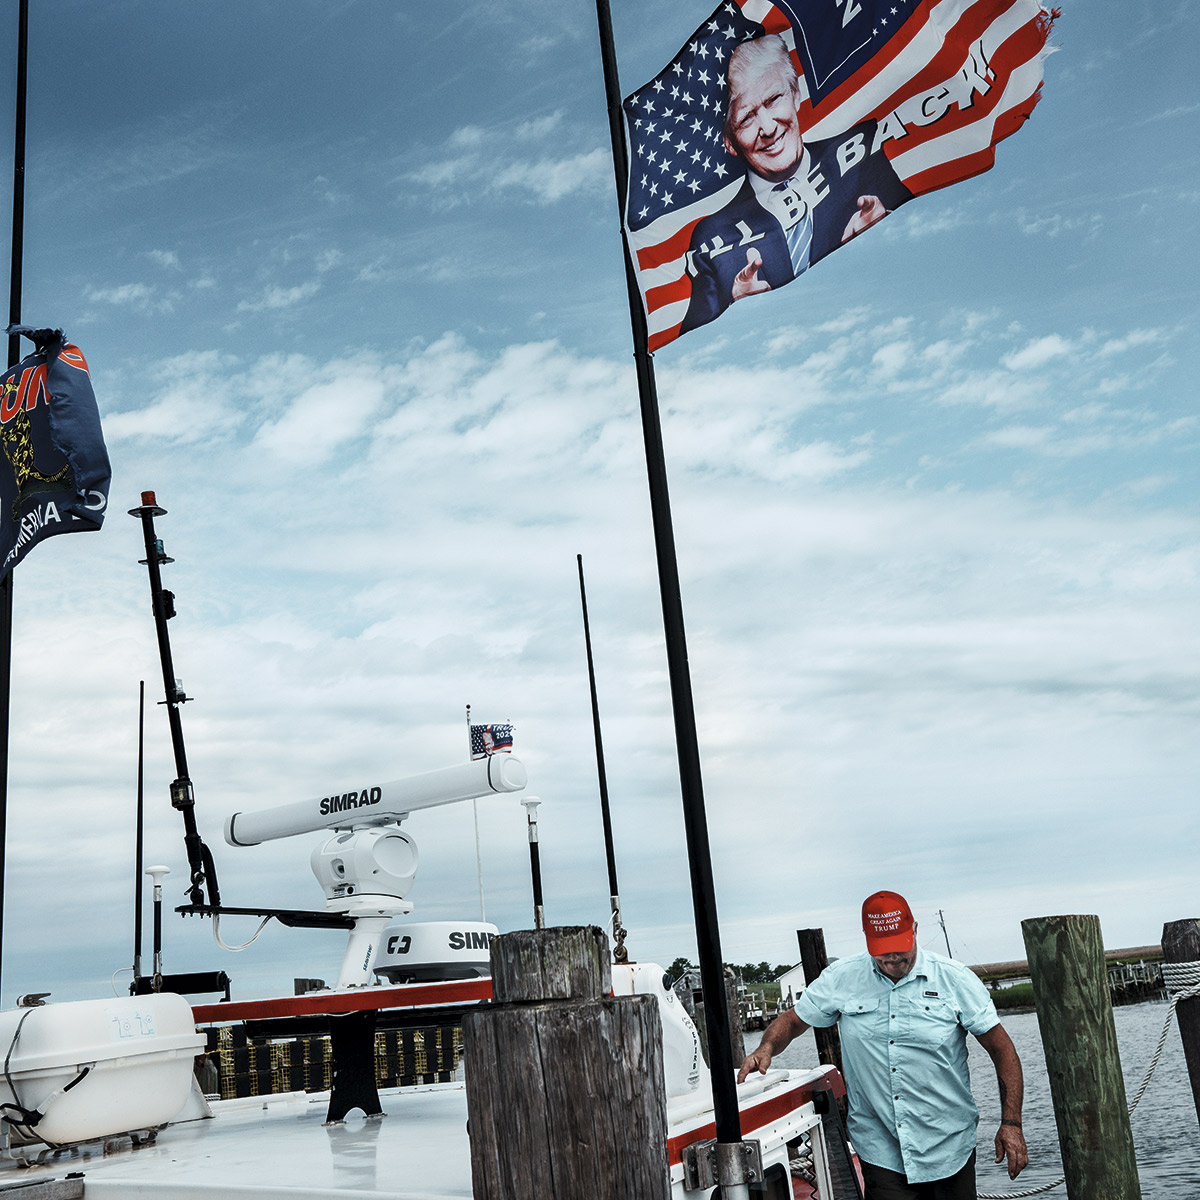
pixel 487 740
pixel 54 476
pixel 781 131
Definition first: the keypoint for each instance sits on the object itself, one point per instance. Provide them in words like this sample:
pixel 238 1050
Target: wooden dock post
pixel 1181 944
pixel 737 1036
pixel 1074 1011
pixel 814 960
pixel 565 1090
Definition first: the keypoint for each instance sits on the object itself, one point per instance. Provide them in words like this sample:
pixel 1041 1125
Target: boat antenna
pixel 535 861
pixel 942 923
pixel 157 873
pixel 138 848
pixel 200 860
pixel 475 813
pixel 620 954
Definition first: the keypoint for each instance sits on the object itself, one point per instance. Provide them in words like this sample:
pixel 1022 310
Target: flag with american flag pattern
pixel 490 739
pixel 930 86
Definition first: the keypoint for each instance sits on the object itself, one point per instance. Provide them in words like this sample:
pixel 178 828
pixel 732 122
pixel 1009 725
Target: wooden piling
pixel 565 1089
pixel 737 1037
pixel 814 960
pixel 1070 989
pixel 1181 944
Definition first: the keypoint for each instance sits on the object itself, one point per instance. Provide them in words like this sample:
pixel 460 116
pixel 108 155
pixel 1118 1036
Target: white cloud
pixel 1134 338
pixel 549 180
pixel 1021 436
pixel 478 163
pixel 275 297
pixel 132 295
pixel 1037 353
pixel 333 408
pixel 1053 225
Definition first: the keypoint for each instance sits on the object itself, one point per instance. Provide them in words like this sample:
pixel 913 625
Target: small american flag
pixel 490 739
pixel 944 80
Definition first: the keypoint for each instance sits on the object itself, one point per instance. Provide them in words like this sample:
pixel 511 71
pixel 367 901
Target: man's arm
pixel 1010 1140
pixel 779 1034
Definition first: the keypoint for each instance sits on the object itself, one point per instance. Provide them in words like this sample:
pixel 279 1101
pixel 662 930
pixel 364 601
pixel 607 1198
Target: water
pixel 1166 1135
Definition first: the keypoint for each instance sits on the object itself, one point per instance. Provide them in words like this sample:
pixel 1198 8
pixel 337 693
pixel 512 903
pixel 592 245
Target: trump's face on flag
pixel 762 127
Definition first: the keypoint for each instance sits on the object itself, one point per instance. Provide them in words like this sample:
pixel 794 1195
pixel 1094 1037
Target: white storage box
pixel 138 1050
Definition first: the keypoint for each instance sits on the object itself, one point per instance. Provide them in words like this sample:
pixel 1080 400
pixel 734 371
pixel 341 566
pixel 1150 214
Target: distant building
pixel 791 984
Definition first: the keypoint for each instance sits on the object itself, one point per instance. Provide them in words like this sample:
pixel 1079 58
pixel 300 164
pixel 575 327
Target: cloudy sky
pixel 349 279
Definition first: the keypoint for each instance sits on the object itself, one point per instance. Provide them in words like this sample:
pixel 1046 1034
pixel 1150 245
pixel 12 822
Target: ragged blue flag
pixel 780 131
pixel 55 474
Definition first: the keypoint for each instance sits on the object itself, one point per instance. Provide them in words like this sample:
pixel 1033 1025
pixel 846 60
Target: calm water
pixel 1166 1134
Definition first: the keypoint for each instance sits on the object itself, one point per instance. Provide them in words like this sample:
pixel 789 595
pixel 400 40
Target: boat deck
pixel 279 1146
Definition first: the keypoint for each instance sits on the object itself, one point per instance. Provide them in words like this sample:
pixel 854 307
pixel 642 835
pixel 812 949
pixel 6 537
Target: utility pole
pixel 942 923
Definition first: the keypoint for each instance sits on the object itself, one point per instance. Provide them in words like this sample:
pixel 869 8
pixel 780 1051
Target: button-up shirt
pixel 905 1054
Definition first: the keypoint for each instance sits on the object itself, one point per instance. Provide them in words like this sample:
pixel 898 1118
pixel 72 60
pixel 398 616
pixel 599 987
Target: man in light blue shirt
pixel 903 1015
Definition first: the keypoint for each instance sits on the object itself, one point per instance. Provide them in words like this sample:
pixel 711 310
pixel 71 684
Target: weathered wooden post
pixel 1070 989
pixel 737 1038
pixel 565 1089
pixel 814 960
pixel 1181 944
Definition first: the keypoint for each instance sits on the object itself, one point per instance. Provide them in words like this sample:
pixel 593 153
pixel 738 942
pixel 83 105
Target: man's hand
pixel 1010 1144
pixel 779 1034
pixel 870 209
pixel 747 283
pixel 759 1061
pixel 1010 1141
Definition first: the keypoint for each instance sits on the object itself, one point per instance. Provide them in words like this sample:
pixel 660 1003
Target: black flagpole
pixel 712 971
pixel 620 953
pixel 18 216
pixel 14 357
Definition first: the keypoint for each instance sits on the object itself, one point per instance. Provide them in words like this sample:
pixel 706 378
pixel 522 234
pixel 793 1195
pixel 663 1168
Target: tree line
pixel 761 972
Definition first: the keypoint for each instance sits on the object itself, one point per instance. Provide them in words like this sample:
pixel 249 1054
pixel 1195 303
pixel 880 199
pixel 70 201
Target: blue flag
pixel 55 474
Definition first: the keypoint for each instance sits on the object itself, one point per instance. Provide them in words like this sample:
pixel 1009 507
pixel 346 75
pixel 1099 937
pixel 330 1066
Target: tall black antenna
pixel 200 860
pixel 138 845
pixel 620 954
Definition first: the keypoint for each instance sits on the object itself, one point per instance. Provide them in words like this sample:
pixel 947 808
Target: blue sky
pixel 349 280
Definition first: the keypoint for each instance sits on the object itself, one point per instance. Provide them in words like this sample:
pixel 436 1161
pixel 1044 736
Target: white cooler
pixel 139 1051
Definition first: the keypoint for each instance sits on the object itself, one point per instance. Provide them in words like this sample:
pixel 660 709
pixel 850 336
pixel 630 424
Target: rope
pixel 1028 1191
pixel 244 945
pixel 1182 981
pixel 1178 976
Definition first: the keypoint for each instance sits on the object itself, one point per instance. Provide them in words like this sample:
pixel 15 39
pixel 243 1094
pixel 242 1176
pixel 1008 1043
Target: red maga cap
pixel 888 924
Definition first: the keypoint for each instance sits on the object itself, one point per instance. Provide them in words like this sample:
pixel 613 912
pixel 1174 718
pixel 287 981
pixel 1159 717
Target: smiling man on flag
pixel 783 130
